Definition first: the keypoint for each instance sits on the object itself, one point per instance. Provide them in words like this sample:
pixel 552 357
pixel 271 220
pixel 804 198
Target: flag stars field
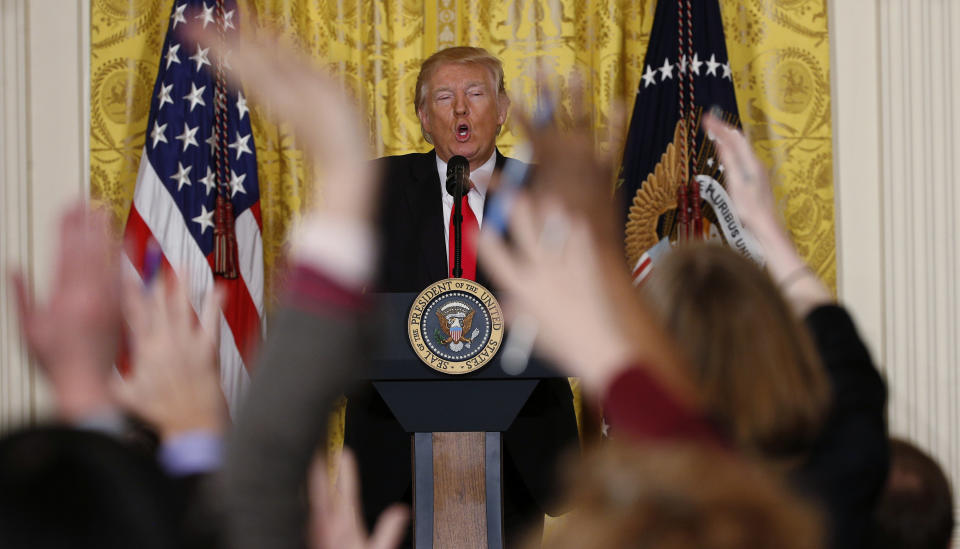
pixel 177 16
pixel 195 97
pixel 209 181
pixel 158 133
pixel 242 105
pixel 236 183
pixel 649 77
pixel 205 219
pixel 188 137
pixel 207 15
pixel 666 71
pixel 240 145
pixel 172 56
pixel 164 96
pixel 182 176
pixel 200 58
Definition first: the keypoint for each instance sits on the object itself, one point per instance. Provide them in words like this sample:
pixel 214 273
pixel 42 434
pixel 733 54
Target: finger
pixel 124 392
pixel 520 115
pixel 390 527
pixel 616 131
pixel 181 311
pixel 348 482
pixel 134 305
pixel 25 308
pixel 319 495
pixel 723 137
pixel 523 227
pixel 498 261
pixel 210 313
pixel 581 116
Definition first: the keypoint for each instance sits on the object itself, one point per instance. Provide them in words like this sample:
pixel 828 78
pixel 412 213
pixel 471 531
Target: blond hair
pixel 753 360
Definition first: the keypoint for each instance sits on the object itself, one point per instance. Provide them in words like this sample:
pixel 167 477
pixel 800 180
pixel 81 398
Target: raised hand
pixel 175 383
pixel 746 177
pixel 752 196
pixel 335 521
pixel 315 106
pixel 74 334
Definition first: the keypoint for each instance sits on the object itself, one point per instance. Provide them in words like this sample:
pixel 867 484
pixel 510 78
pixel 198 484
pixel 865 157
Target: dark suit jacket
pixel 413 255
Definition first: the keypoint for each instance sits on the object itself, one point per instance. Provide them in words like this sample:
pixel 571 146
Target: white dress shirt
pixel 478 193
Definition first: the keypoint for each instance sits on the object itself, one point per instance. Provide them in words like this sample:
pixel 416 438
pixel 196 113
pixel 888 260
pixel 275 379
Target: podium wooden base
pixel 457 495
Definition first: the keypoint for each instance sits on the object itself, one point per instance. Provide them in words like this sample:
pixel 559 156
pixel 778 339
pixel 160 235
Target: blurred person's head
pixel 753 360
pixel 680 497
pixel 62 487
pixel 915 510
pixel 462 102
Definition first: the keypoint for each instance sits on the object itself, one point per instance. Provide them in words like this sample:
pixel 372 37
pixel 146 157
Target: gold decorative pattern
pixel 778 49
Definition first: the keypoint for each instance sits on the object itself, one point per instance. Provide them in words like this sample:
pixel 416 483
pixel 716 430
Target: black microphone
pixel 458 174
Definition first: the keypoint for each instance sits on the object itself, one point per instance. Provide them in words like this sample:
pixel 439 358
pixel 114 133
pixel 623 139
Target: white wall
pixel 896 75
pixel 44 53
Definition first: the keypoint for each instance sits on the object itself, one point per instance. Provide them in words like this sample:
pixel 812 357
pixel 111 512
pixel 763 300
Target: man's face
pixel 461 112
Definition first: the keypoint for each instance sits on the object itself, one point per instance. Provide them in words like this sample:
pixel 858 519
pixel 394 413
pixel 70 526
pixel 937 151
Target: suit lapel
pixel 425 201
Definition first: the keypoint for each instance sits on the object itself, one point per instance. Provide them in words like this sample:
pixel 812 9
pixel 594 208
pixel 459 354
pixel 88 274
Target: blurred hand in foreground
pixel 315 106
pixel 74 334
pixel 749 187
pixel 335 521
pixel 175 382
pixel 567 270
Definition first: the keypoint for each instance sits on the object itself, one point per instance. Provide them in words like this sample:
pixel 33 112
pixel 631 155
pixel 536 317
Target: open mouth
pixel 463 132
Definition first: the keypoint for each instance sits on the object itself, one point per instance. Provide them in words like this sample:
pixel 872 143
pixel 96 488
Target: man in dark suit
pixel 462 103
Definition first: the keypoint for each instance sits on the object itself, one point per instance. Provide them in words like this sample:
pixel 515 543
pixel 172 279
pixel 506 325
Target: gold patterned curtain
pixel 778 50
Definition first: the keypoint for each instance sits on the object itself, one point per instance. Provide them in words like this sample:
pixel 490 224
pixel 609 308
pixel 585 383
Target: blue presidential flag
pixel 671 178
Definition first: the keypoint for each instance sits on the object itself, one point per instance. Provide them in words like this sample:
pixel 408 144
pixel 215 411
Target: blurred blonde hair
pixel 752 359
pixel 678 497
pixel 458 55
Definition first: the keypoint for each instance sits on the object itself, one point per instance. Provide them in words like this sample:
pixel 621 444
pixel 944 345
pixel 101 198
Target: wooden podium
pixel 455 422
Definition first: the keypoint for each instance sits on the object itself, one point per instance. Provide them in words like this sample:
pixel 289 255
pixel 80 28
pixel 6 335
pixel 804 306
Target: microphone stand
pixel 457 169
pixel 457 229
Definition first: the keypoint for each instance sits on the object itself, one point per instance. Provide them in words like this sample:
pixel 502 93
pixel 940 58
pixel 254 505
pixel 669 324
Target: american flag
pixel 181 175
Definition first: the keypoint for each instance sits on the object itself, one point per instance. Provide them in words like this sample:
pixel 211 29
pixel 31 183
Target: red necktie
pixel 470 228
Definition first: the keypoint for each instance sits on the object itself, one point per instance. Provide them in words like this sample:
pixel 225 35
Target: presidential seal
pixel 455 326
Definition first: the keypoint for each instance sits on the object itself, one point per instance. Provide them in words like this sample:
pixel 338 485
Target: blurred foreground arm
pixel 316 340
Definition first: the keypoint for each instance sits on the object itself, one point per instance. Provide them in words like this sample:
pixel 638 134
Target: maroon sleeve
pixel 639 407
pixel 310 290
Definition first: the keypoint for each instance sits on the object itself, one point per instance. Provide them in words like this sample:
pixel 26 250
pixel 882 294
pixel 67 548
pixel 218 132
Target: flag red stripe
pixel 241 314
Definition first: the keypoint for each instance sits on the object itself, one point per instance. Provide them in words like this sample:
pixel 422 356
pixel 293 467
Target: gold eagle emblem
pixel 655 197
pixel 465 327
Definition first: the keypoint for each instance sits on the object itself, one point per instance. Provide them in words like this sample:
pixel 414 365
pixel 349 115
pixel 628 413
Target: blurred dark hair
pixel 915 510
pixel 63 487
pixel 753 360
pixel 680 497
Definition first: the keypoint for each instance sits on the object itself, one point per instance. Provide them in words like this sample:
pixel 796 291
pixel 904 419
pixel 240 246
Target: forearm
pixel 800 286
